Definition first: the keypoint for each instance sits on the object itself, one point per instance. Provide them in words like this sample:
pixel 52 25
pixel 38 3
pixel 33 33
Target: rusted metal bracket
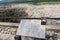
pixel 43 20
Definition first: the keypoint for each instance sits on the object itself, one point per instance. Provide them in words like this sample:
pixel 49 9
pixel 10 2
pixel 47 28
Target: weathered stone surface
pixel 8 30
pixel 32 28
pixel 52 11
pixel 53 22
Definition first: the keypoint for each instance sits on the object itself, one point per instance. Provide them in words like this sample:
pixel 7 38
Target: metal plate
pixel 31 28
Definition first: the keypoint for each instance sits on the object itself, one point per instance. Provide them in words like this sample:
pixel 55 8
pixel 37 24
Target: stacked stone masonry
pixel 8 30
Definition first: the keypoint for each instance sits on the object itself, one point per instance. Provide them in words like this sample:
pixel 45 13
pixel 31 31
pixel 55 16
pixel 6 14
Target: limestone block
pixel 32 28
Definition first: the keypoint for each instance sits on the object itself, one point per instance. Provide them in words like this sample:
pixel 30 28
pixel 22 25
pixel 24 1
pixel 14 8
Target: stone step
pixel 8 24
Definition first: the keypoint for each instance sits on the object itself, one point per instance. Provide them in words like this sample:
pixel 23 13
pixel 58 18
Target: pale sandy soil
pixel 6 37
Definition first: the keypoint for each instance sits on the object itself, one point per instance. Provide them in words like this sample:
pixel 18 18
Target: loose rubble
pixel 8 30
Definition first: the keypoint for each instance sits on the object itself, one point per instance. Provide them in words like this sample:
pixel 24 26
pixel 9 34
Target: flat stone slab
pixel 31 28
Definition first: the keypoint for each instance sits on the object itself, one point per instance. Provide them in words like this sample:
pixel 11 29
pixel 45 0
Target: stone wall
pixel 51 11
pixel 8 30
pixel 28 10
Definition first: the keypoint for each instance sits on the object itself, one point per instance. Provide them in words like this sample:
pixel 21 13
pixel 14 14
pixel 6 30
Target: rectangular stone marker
pixel 31 28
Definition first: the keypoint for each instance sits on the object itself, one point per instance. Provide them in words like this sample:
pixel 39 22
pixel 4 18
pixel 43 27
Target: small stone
pixel 13 33
pixel 2 32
